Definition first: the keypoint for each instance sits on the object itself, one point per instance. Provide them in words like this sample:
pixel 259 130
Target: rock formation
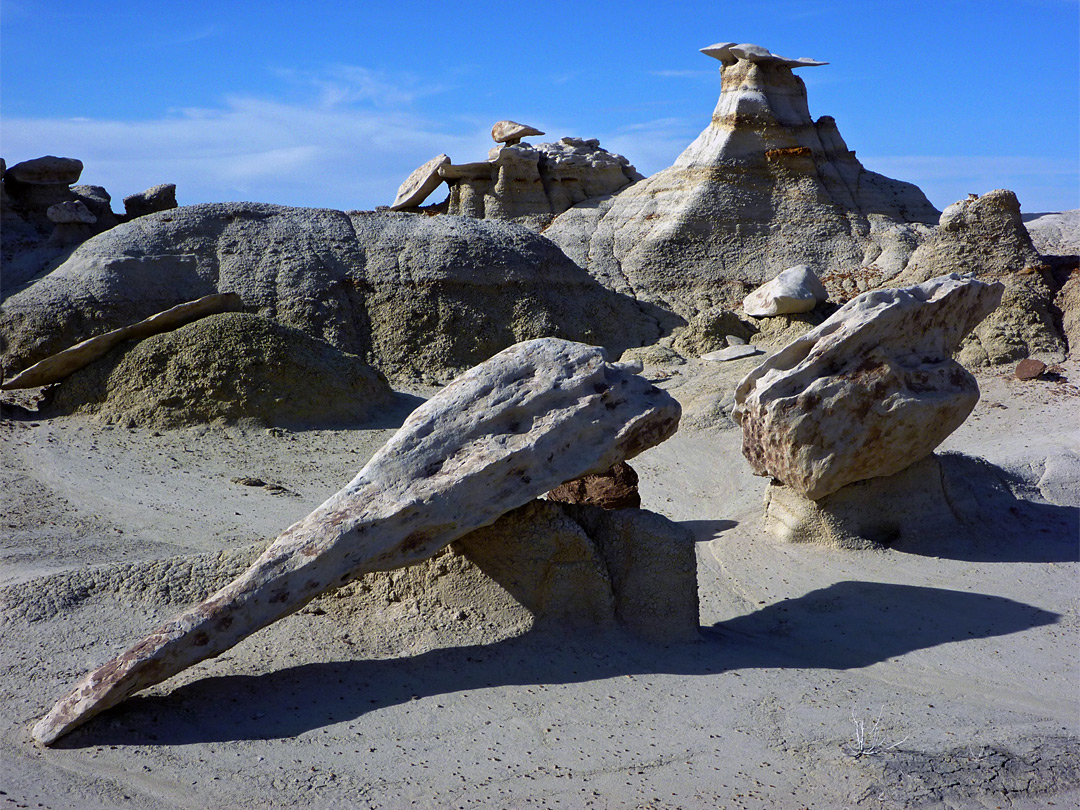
pixel 161 197
pixel 511 132
pixel 530 184
pixel 414 296
pixel 226 367
pixel 420 184
pixel 616 488
pixel 43 216
pixel 60 365
pixel 796 289
pixel 868 392
pixel 985 237
pixel 763 187
pixel 530 418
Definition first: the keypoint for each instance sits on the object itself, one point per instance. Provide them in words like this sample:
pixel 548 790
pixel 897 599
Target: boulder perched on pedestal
pixel 870 391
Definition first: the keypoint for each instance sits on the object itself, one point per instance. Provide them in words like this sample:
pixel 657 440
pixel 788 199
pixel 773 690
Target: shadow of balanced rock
pixel 865 395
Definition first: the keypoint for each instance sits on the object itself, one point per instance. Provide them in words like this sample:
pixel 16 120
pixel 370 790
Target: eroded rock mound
pixel 868 392
pixel 764 187
pixel 229 367
pixel 414 296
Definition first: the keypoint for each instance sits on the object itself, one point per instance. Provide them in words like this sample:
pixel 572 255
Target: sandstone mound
pixel 986 238
pixel 414 296
pixel 763 188
pixel 226 367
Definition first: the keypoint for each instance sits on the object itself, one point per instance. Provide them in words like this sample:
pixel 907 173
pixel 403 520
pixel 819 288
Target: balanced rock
pixel 46 171
pixel 530 184
pixel 161 197
pixel 871 390
pixel 510 132
pixel 797 289
pixel 763 186
pixel 534 416
pixel 420 184
pixel 616 488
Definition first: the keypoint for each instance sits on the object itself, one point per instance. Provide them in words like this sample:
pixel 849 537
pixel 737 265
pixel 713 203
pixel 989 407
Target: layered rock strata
pixel 868 392
pixel 516 426
pixel 763 187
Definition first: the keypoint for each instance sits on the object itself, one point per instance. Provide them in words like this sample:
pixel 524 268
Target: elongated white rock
pixel 532 417
pixel 62 364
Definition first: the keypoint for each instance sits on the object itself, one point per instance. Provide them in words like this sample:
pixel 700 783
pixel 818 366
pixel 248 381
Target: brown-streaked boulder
pixel 161 197
pixel 510 132
pixel 868 392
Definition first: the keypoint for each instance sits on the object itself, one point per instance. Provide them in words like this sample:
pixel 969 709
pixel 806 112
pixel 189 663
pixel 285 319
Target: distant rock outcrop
pixel 764 187
pixel 43 216
pixel 415 296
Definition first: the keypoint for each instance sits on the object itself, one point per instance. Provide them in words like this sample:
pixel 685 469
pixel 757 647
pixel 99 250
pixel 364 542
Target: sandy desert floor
pixel 965 648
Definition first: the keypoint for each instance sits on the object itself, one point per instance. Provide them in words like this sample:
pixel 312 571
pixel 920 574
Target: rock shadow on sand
pixel 848 625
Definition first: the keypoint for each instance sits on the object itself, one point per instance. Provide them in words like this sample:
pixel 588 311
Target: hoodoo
pixel 762 188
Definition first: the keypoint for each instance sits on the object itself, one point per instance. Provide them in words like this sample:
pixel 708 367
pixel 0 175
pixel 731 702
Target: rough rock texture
pixel 511 132
pixel 1068 302
pixel 419 185
pixel 711 330
pixel 415 296
pixel 226 367
pixel 981 235
pixel 531 417
pixel 71 211
pixel 868 392
pixel 762 188
pixel 161 197
pixel 985 237
pixel 797 289
pixel 540 567
pixel 616 488
pixel 530 184
pixel 55 368
pixel 1024 325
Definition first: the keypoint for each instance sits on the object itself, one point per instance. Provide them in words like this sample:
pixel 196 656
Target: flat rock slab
pixel 46 171
pixel 533 416
pixel 419 185
pixel 512 131
pixel 732 353
pixel 871 390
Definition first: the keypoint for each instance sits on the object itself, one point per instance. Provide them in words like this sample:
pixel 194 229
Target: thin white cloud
pixel 255 149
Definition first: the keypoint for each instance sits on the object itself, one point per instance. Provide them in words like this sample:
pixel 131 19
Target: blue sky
pixel 333 104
